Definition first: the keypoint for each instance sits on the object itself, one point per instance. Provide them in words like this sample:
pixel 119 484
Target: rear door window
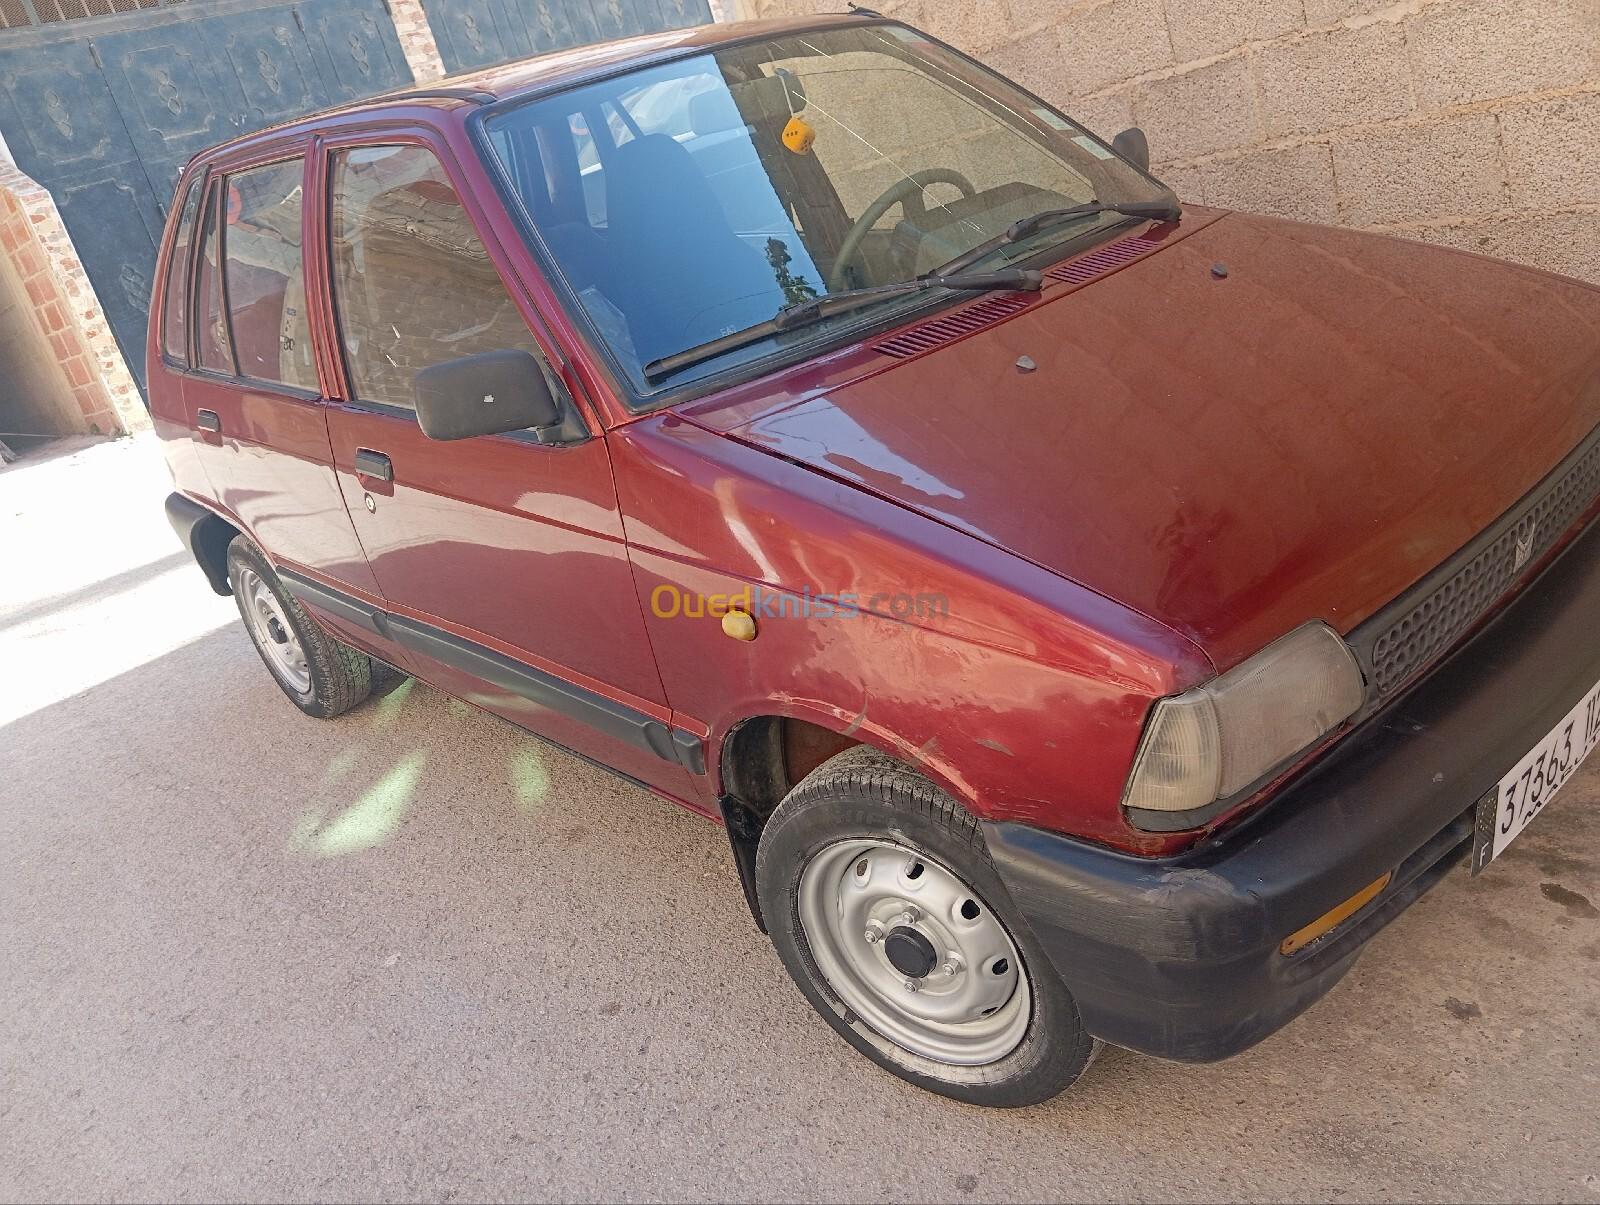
pixel 265 275
pixel 175 302
pixel 413 284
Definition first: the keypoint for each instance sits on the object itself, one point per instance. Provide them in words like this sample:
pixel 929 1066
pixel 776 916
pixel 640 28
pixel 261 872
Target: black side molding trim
pixel 335 602
pixel 690 751
pixel 600 713
pixel 616 720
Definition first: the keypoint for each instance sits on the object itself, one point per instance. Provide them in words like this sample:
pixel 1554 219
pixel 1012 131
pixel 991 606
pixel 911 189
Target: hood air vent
pixel 1102 260
pixel 947 328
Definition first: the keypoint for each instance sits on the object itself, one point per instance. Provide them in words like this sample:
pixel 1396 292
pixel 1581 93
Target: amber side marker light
pixel 739 624
pixel 1335 916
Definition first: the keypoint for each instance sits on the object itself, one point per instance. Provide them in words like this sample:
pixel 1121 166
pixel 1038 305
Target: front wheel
pixel 886 911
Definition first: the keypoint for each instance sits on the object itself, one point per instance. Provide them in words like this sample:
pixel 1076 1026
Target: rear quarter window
pixel 211 320
pixel 175 300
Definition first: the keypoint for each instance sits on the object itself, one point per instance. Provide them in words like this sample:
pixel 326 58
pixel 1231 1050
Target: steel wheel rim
pixel 273 634
pixel 863 903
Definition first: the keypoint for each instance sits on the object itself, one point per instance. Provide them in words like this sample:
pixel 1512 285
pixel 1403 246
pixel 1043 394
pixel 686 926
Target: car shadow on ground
pixel 415 951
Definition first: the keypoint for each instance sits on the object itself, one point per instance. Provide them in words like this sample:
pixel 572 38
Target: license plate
pixel 1533 782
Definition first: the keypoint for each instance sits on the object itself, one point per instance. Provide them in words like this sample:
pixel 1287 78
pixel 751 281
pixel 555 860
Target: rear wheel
pixel 883 904
pixel 321 676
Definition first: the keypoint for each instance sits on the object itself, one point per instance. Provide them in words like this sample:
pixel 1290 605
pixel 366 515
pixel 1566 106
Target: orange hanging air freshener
pixel 799 134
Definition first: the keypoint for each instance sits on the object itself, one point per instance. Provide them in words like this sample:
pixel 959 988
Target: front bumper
pixel 1179 956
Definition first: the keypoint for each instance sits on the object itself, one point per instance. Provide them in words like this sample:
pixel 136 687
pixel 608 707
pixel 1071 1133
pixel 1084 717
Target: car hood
pixel 1260 424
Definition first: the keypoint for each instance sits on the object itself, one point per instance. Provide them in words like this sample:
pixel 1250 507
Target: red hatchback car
pixel 1092 619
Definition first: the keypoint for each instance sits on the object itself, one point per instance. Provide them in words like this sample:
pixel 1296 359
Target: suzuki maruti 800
pixel 1091 617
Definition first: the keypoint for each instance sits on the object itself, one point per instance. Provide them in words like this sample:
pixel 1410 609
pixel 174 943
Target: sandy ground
pixel 413 953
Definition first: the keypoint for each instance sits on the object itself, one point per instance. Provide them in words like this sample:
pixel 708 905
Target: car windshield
pixel 690 200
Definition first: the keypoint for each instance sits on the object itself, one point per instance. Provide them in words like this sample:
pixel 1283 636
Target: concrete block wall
pixel 1472 123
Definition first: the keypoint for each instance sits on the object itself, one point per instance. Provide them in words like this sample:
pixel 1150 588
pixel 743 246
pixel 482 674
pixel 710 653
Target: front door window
pixel 413 285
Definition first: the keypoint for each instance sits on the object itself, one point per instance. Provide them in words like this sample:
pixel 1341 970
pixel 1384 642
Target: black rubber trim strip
pixel 690 750
pixel 335 602
pixel 616 720
pixel 477 96
pixel 743 827
pixel 1149 820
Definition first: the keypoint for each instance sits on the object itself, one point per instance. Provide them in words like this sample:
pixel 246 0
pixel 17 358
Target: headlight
pixel 1212 742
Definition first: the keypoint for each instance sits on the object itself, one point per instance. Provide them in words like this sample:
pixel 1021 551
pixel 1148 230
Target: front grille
pixel 1405 637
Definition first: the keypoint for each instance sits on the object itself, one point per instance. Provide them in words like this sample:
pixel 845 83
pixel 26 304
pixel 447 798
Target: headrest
pixel 713 111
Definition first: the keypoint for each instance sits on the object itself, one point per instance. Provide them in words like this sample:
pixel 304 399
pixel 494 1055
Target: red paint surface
pixel 1196 467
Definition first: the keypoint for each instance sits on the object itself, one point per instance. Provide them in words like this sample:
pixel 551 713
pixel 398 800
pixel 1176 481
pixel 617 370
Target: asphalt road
pixel 413 953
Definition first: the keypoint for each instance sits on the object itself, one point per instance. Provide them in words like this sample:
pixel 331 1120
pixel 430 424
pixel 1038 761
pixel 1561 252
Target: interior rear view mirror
pixel 771 98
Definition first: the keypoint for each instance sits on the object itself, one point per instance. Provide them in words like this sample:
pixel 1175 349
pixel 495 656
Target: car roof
pixel 561 68
pixel 547 72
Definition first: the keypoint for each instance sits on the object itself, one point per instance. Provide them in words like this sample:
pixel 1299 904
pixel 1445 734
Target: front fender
pixel 1024 696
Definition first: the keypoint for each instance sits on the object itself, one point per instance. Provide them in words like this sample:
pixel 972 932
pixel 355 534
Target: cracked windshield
pixel 691 201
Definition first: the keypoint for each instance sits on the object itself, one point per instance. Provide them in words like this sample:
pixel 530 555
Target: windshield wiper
pixel 1164 210
pixel 815 309
pixel 802 313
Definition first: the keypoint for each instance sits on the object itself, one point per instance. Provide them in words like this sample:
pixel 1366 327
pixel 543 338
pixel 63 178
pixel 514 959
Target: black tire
pixel 340 676
pixel 385 677
pixel 864 793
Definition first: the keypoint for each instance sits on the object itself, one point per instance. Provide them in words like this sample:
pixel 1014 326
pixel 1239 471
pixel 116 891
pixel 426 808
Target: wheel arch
pixel 762 757
pixel 206 535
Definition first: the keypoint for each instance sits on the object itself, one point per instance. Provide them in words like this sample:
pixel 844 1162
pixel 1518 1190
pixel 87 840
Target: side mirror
pixel 1133 146
pixel 487 394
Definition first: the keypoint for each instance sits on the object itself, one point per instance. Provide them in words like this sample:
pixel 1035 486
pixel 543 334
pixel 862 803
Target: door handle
pixel 373 464
pixel 207 420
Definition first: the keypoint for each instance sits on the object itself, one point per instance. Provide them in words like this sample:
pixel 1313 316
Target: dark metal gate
pixel 478 33
pixel 103 111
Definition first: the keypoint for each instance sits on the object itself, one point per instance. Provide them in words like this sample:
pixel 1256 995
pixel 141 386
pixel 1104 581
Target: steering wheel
pixel 907 193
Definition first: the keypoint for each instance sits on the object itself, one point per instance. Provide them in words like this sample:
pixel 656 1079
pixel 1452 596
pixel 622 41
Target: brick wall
pixel 97 394
pixel 1474 123
pixel 416 40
